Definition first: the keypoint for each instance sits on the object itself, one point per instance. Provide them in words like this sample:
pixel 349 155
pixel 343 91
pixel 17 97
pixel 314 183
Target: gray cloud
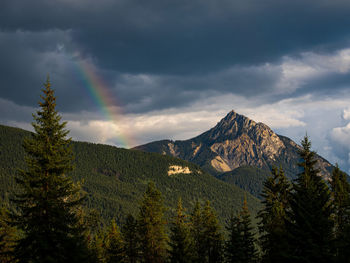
pixel 10 111
pixel 27 59
pixel 29 56
pixel 193 49
pixel 156 92
pixel 183 37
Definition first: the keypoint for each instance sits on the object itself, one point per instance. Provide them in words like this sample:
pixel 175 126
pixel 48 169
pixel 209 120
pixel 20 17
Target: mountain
pixel 237 141
pixel 249 178
pixel 115 179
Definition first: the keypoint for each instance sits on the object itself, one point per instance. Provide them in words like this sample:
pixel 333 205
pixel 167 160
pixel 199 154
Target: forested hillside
pixel 115 179
pixel 249 178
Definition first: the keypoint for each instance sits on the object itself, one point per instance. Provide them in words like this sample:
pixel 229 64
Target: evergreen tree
pixel 151 226
pixel 196 231
pixel 233 251
pixel 8 236
pixel 131 241
pixel 48 199
pixel 206 235
pixel 310 227
pixel 94 235
pixel 341 200
pixel 240 246
pixel 212 237
pixel 273 217
pixel 114 245
pixel 180 240
pixel 97 248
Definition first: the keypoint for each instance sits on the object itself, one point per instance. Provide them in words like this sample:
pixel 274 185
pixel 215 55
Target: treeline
pixel 307 220
pixel 248 178
pixel 115 179
pixel 304 221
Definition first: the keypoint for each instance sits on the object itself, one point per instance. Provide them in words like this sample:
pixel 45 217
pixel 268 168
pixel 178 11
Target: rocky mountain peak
pixel 233 119
pixel 235 125
pixel 237 141
pixel 234 142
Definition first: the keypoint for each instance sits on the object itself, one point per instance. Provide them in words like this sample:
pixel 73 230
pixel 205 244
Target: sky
pixel 127 72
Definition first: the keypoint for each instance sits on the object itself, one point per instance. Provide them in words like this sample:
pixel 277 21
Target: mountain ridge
pixel 237 141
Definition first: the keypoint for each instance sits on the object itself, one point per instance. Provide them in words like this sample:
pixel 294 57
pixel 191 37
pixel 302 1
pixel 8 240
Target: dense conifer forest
pixel 115 179
pixel 249 178
pixel 49 217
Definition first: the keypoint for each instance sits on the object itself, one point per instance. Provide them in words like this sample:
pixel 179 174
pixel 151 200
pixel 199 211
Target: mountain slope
pixel 249 178
pixel 115 179
pixel 234 142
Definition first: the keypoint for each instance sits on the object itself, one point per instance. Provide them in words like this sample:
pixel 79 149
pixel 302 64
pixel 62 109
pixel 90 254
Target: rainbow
pixel 103 98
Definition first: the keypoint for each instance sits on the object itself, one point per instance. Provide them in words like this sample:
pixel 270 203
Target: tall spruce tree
pixel 212 236
pixel 151 226
pixel 232 251
pixel 131 240
pixel 273 217
pixel 114 244
pixel 310 228
pixel 47 199
pixel 180 239
pixel 341 201
pixel 8 236
pixel 206 235
pixel 240 246
pixel 94 235
pixel 196 231
pixel 97 247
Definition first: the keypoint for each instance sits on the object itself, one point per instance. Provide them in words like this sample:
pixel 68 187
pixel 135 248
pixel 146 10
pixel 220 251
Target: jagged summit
pixel 236 141
pixel 231 125
pixel 232 117
pixel 234 125
pixel 235 121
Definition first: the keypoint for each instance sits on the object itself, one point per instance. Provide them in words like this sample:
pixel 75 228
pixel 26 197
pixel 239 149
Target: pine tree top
pixel 48 200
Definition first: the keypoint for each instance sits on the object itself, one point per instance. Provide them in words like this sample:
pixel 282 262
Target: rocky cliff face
pixel 234 142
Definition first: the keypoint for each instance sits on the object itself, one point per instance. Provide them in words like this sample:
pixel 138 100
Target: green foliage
pixel 96 247
pixel 310 227
pixel 273 217
pixel 115 179
pixel 206 235
pixel 341 201
pixel 151 226
pixel 196 230
pixel 248 178
pixel 212 236
pixel 131 241
pixel 240 246
pixel 47 198
pixel 8 236
pixel 114 244
pixel 180 239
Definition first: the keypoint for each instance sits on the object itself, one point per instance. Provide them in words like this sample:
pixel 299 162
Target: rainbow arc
pixel 103 98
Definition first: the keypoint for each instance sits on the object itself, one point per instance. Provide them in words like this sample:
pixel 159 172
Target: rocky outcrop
pixel 177 169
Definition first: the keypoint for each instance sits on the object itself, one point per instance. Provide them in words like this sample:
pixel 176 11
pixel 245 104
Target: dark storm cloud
pixel 10 111
pixel 328 84
pixel 186 36
pixel 26 60
pixel 19 66
pixel 161 54
pixel 154 92
pixel 27 57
